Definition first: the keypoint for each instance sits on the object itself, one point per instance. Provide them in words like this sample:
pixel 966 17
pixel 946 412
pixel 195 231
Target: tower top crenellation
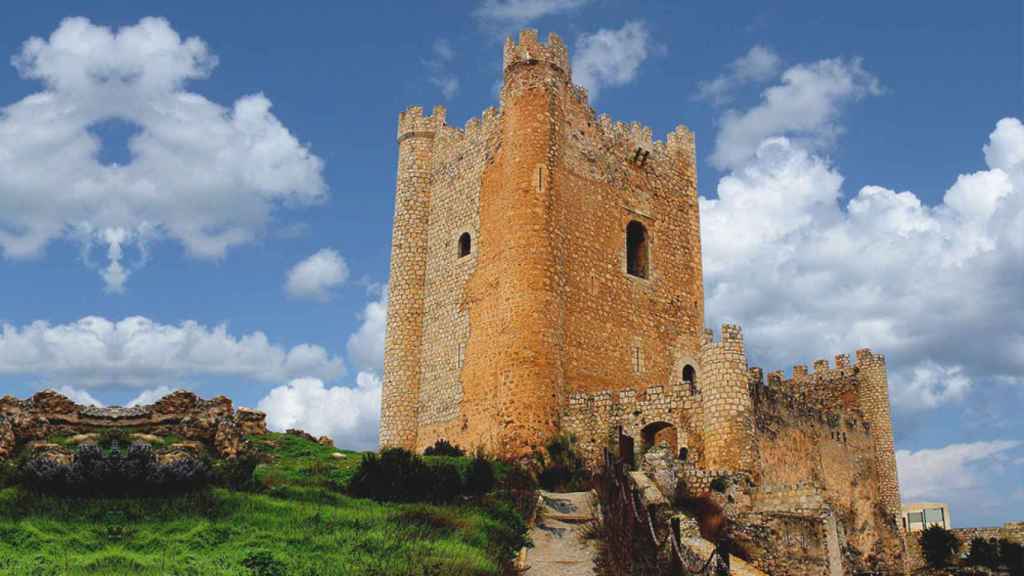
pixel 530 50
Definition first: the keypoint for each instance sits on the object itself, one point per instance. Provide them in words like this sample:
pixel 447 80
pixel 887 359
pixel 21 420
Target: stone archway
pixel 660 432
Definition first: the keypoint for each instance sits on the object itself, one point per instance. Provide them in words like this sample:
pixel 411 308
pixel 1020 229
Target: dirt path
pixel 558 548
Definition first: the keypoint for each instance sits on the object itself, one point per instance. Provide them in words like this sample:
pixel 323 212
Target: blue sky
pixel 859 189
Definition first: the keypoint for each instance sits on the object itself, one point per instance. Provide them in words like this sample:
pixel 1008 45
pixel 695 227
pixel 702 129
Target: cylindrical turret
pixel 402 345
pixel 873 397
pixel 728 409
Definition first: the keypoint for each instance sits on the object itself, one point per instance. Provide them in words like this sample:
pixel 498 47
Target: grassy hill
pixel 294 520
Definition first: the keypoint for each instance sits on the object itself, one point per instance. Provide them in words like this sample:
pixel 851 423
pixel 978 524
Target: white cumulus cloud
pixel 810 271
pixel 759 64
pixel 202 174
pixel 610 57
pixel 79 396
pixel 316 276
pixel 139 352
pixel 348 415
pixel 366 345
pixel 150 395
pixel 944 474
pixel 805 107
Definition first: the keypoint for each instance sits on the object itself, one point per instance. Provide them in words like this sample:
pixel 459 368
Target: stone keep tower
pixel 538 252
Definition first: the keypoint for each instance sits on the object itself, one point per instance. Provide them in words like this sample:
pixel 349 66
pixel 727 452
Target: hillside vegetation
pixel 289 516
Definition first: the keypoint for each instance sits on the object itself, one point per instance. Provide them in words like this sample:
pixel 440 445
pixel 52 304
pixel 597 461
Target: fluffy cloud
pixel 140 352
pixel 201 174
pixel 79 396
pixel 810 273
pixel 348 415
pixel 315 276
pixel 805 107
pixel 610 57
pixel 508 14
pixel 944 474
pixel 759 64
pixel 366 345
pixel 438 67
pixel 150 396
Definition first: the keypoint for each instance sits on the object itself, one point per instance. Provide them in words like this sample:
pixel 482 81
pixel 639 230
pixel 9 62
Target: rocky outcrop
pixel 213 423
pixel 7 440
pixel 251 422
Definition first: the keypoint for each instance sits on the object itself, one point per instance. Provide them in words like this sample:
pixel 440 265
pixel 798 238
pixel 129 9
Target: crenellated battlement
pixel 731 334
pixel 412 122
pixel 530 50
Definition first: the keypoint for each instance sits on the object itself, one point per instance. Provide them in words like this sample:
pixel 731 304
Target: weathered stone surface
pixel 338 456
pixel 301 434
pixel 182 413
pixel 7 440
pixel 251 422
pixel 89 438
pixel 325 441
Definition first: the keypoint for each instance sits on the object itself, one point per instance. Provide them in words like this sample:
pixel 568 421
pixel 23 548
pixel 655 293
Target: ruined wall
pixel 815 446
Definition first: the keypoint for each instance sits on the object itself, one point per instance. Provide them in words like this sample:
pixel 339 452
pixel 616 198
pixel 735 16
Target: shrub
pixel 562 468
pixel 938 546
pixel 1012 556
pixel 396 475
pixel 239 473
pixel 134 473
pixel 480 477
pixel 983 553
pixel 444 448
pixel 720 484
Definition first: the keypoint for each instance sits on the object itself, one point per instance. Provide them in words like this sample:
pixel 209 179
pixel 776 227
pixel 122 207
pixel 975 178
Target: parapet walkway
pixel 559 548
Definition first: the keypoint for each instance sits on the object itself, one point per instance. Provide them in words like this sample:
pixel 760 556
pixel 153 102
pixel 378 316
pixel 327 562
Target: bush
pixel 134 473
pixel 398 475
pixel 720 484
pixel 113 437
pixel 239 473
pixel 938 545
pixel 983 553
pixel 562 469
pixel 480 477
pixel 1012 556
pixel 444 448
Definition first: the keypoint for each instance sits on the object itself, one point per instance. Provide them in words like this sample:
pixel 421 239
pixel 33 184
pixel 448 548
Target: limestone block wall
pixel 728 410
pixel 596 419
pixel 403 341
pixel 459 158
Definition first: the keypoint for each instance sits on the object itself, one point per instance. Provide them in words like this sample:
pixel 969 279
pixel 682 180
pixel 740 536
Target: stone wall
pixel 817 452
pixel 181 413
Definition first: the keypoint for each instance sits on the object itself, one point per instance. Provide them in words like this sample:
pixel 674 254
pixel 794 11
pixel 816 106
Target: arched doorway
pixel 657 433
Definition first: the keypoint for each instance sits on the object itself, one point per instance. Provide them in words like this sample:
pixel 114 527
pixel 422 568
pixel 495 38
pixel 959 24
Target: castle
pixel 546 278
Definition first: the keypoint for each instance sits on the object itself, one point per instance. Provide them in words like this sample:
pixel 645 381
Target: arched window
pixel 465 244
pixel 690 377
pixel 636 249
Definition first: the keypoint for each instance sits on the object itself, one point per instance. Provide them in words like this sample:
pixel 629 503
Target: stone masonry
pixel 546 278
pixel 183 414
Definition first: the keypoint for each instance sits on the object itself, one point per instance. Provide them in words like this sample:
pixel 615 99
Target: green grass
pixel 300 524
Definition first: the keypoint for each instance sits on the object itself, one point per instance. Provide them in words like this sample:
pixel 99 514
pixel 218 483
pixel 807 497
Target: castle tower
pixel 402 347
pixel 540 251
pixel 873 397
